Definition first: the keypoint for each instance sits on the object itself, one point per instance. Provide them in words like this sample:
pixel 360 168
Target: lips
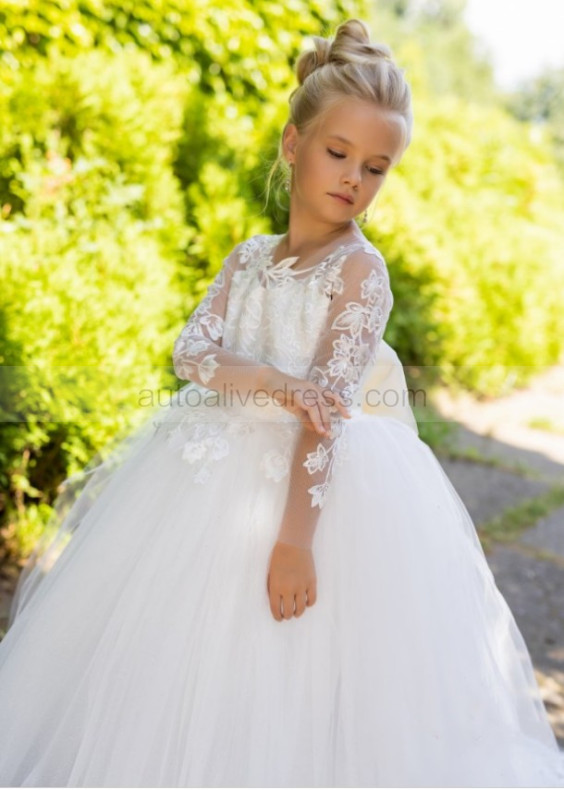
pixel 344 198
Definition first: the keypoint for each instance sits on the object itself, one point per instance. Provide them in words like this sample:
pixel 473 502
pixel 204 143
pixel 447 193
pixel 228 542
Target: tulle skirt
pixel 147 655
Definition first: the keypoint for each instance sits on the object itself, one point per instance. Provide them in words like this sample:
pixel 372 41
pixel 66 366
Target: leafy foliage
pixel 135 140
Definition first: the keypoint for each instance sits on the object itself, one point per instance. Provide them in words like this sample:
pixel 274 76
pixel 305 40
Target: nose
pixel 352 176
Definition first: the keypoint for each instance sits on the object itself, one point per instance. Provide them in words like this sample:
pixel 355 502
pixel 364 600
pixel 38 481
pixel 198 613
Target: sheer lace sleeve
pixel 198 353
pixel 361 302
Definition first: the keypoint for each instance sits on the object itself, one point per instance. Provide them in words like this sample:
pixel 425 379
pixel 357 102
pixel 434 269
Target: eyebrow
pixel 348 142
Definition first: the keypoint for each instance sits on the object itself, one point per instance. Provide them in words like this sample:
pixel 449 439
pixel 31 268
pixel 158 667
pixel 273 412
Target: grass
pixel 545 424
pixel 506 527
pixel 453 453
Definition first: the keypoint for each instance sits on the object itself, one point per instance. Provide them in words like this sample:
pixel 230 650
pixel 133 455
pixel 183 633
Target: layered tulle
pixel 148 655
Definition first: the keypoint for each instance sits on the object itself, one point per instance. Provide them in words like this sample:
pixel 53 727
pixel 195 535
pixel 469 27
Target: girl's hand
pixel 291 581
pixel 311 403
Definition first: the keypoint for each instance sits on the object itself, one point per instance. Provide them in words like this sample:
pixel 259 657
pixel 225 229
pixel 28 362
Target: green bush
pixel 470 227
pixel 91 241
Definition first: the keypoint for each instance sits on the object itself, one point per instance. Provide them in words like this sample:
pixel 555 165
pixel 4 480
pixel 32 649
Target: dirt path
pixel 517 453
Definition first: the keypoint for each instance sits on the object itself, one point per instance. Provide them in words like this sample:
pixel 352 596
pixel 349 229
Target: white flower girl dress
pixel 142 650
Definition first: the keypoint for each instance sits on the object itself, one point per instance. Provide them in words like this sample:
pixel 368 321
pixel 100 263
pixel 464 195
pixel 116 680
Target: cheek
pixel 331 170
pixel 375 186
pixel 313 169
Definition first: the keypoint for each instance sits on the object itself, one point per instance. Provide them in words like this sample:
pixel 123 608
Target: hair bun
pixel 309 61
pixel 351 45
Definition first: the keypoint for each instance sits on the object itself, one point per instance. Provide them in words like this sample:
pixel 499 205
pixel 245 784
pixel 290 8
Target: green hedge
pixel 471 226
pixel 135 141
pixel 89 257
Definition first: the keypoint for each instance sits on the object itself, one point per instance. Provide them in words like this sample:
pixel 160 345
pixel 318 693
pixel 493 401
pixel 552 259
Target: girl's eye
pixel 374 170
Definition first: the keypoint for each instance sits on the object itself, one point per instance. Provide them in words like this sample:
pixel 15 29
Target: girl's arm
pixel 198 354
pixel 361 304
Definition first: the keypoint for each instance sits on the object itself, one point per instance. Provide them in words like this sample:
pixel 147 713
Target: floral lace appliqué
pixel 361 325
pixel 192 340
pixel 202 442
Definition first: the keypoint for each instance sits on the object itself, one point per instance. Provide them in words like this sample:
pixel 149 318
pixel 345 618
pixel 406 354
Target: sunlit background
pixel 523 37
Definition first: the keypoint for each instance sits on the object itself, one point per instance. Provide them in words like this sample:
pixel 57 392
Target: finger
pixel 307 423
pixel 287 606
pixel 311 594
pixel 275 607
pixel 329 417
pixel 342 407
pixel 319 420
pixel 325 412
pixel 328 413
pixel 314 419
pixel 337 401
pixel 330 397
pixel 300 605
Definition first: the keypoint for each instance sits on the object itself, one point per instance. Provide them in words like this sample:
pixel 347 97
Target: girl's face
pixel 341 160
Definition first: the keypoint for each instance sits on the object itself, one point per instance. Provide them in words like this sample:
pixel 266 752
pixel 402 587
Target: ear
pixel 289 142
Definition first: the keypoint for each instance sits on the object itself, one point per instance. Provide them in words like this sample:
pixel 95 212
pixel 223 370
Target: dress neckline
pixel 286 263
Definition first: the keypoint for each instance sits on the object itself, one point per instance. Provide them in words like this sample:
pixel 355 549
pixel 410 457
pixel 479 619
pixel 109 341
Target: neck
pixel 305 236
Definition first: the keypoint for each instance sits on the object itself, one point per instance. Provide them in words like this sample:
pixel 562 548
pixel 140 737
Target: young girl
pixel 272 586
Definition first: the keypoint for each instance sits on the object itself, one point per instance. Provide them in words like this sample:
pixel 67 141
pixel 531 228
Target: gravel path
pixel 529 570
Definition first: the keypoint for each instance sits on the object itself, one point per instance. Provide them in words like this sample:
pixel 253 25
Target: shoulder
pixel 250 247
pixel 362 278
pixel 362 261
pixel 257 242
pixel 364 253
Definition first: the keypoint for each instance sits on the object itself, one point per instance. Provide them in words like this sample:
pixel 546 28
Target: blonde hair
pixel 350 65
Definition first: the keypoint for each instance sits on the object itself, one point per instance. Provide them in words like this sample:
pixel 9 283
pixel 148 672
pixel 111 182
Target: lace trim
pixel 257 252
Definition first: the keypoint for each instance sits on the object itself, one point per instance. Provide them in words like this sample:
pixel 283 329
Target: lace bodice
pixel 321 324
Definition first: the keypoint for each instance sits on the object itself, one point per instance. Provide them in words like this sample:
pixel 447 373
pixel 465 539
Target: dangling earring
pixel 364 218
pixel 288 180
